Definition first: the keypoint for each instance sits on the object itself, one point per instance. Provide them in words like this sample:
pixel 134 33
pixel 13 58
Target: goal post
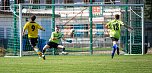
pixel 20 27
pixel 79 20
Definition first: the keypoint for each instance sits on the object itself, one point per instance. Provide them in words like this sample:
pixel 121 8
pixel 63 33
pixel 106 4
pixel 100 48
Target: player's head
pixel 33 17
pixel 57 29
pixel 117 16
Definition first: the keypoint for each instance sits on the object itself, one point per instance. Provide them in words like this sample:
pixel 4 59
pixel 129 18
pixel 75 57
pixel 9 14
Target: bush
pixel 2 51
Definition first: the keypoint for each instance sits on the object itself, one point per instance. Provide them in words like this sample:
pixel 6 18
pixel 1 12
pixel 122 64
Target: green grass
pixel 77 64
pixel 87 49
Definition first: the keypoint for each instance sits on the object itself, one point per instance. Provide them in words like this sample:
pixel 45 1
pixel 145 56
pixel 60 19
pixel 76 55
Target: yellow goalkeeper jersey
pixel 32 28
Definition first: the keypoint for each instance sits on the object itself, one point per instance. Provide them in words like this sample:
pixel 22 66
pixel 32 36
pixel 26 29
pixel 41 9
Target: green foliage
pixel 148 9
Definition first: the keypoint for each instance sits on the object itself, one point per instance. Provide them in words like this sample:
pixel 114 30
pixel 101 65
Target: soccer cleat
pixel 64 53
pixel 40 54
pixel 43 56
pixel 112 56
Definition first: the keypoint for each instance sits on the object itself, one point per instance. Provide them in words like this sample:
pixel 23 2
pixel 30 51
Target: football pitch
pixel 77 64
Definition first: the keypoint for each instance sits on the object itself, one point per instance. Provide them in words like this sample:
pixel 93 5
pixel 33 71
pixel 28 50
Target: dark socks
pixel 63 49
pixel 43 51
pixel 118 50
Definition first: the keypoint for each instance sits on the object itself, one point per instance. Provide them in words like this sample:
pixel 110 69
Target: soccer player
pixel 115 32
pixel 32 28
pixel 54 42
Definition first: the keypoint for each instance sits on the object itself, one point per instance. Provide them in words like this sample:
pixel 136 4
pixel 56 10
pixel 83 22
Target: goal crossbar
pixel 142 5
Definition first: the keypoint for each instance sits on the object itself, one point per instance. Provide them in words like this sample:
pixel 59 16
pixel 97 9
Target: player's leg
pixel 44 49
pixel 117 46
pixel 114 48
pixel 33 42
pixel 63 49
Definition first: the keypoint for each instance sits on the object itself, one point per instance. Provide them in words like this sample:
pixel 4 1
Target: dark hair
pixel 117 16
pixel 33 17
pixel 57 27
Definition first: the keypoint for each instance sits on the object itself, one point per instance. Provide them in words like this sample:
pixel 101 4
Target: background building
pixel 81 22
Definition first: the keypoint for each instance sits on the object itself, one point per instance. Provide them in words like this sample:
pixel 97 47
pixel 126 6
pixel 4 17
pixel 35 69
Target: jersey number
pixel 116 26
pixel 33 27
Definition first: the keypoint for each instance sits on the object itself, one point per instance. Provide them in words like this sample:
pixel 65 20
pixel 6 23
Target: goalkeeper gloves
pixel 70 41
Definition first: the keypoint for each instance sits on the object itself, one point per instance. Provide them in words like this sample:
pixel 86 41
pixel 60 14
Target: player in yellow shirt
pixel 115 32
pixel 32 27
pixel 54 42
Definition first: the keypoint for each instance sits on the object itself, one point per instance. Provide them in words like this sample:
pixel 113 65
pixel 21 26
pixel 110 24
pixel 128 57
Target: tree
pixel 148 9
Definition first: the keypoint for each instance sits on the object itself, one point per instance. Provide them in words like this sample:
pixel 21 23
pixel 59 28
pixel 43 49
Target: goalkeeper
pixel 54 42
pixel 115 28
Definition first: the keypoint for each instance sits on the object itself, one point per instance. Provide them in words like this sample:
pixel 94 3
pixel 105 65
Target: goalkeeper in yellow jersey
pixel 54 42
pixel 115 32
pixel 32 28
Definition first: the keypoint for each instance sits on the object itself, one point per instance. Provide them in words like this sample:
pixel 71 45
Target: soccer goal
pixel 87 21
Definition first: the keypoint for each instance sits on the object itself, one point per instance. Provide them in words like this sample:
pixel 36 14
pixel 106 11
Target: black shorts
pixel 33 41
pixel 114 39
pixel 52 44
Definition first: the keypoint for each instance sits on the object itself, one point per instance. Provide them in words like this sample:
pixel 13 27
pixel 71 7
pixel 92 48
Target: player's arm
pixel 41 28
pixel 63 38
pixel 107 25
pixel 23 33
pixel 126 26
pixel 70 41
pixel 24 28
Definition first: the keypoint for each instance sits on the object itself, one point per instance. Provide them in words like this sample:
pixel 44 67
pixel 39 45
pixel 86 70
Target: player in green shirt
pixel 115 32
pixel 54 42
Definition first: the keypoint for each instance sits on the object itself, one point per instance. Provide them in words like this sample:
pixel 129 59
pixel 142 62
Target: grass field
pixel 77 64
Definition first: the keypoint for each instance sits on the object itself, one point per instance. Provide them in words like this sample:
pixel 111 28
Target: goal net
pixel 87 21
